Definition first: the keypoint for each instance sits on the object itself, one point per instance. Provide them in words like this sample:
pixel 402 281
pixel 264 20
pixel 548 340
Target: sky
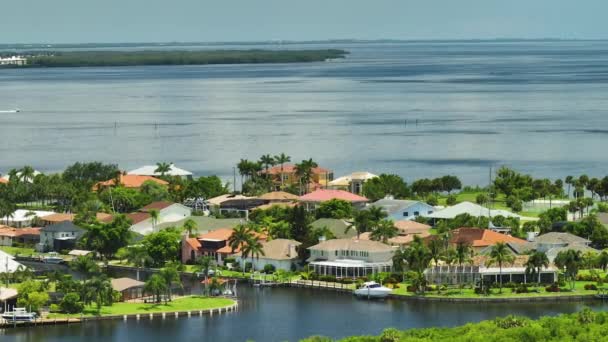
pixel 79 21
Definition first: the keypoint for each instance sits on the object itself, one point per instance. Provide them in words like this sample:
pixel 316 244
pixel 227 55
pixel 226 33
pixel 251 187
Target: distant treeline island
pixel 133 58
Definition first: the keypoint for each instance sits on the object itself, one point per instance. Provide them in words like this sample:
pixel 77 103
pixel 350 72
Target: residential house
pixel 213 244
pixel 351 183
pixel 168 212
pixel 150 170
pixel 344 258
pixel 314 199
pixel 287 176
pixel 204 224
pixel 24 218
pixel 280 253
pixel 338 227
pixel 552 243
pixel 478 238
pixel 60 217
pixel 129 288
pixel 474 210
pixel 398 210
pixel 407 230
pixel 129 181
pixel 59 236
pixel 26 236
pixel 279 197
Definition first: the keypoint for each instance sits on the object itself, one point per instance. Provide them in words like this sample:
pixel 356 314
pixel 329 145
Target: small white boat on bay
pixel 53 258
pixel 371 289
pixel 19 315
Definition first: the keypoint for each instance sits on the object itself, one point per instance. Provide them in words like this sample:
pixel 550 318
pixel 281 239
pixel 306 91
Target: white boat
pixel 19 315
pixel 52 258
pixel 371 289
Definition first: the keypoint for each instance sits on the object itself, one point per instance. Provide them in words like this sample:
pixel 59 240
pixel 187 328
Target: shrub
pixel 390 335
pixel 54 308
pixel 511 322
pixel 553 288
pixel 71 303
pixel 590 287
pixel 248 266
pixel 521 288
pixel 269 269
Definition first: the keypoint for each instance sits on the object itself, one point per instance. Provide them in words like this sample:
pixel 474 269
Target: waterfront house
pixel 150 170
pixel 474 210
pixel 398 210
pixel 25 218
pixel 287 176
pixel 554 242
pixel 314 199
pixel 338 227
pixel 352 183
pixel 280 253
pixel 213 244
pixel 478 238
pixel 60 217
pixel 279 197
pixel 168 212
pixel 129 288
pixel 344 258
pixel 59 236
pixel 204 224
pixel 129 181
pixel 407 230
pixel 10 236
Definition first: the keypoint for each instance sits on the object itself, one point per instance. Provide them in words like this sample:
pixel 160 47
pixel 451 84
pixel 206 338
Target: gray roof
pixel 65 226
pixel 472 209
pixel 336 226
pixel 393 205
pixel 560 238
pixel 204 223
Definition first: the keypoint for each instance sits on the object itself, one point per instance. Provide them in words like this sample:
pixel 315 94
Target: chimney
pixel 531 235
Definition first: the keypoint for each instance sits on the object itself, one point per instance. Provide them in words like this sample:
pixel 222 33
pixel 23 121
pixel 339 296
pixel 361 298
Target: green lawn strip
pixel 579 290
pixel 18 250
pixel 181 304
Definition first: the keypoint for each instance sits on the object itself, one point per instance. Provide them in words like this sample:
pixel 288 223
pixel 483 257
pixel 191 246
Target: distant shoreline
pixel 63 59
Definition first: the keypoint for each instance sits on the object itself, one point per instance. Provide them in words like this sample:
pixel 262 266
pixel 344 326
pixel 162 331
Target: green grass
pixel 579 289
pixel 181 304
pixel 18 250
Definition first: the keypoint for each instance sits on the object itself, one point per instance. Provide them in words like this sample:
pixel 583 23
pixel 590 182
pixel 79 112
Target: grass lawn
pixel 579 289
pixel 181 304
pixel 18 250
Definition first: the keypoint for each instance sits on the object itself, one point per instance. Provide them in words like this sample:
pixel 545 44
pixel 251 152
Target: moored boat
pixel 19 315
pixel 371 289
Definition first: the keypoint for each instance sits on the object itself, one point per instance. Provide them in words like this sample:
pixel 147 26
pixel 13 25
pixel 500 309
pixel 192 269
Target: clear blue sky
pixel 69 21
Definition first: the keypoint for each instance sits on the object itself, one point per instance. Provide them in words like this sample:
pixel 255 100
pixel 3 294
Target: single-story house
pixel 168 212
pixel 280 253
pixel 315 198
pixel 129 288
pixel 338 227
pixel 398 210
pixel 24 218
pixel 28 236
pixel 129 181
pixel 554 242
pixel 150 170
pixel 407 230
pixel 344 258
pixel 59 236
pixel 478 238
pixel 475 210
pixel 213 244
pixel 352 183
pixel 60 217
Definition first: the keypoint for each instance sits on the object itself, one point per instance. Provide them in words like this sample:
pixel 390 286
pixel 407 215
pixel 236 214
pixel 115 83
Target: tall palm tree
pixel 154 215
pixel 384 230
pixel 170 275
pixel 449 256
pixel 252 247
pixel 100 291
pixel 376 214
pixel 163 168
pixel 281 159
pixel 204 264
pixel 27 174
pixel 267 160
pixel 304 171
pixel 536 262
pixel 190 226
pixel 156 286
pixel 602 260
pixel 435 249
pixel 361 222
pixel 240 235
pixel 138 256
pixel 569 180
pixel 500 254
pixel 463 255
pixel 570 260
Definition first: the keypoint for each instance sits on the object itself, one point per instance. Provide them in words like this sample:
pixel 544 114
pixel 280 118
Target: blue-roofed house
pixel 399 210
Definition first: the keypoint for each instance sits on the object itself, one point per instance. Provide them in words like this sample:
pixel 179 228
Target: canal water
pixel 289 314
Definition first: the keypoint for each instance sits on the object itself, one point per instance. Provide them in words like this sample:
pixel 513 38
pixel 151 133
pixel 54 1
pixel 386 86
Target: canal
pixel 289 314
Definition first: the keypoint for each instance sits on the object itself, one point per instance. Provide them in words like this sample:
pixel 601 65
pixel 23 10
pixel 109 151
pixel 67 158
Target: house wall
pixel 46 238
pixel 409 213
pixel 352 255
pixel 174 213
pixel 259 264
pixel 6 241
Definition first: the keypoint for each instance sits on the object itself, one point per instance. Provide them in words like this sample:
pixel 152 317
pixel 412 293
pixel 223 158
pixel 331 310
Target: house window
pixel 406 214
pixel 430 212
pixel 336 253
pixel 416 213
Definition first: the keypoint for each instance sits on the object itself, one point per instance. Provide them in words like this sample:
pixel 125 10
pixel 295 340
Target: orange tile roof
pixel 130 181
pixel 223 234
pixel 2 180
pixel 291 168
pixel 194 243
pixel 16 232
pixel 323 195
pixel 160 205
pixel 138 217
pixel 411 227
pixel 60 217
pixel 477 237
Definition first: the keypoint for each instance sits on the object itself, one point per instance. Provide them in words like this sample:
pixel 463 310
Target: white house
pixel 150 170
pixel 352 183
pixel 400 210
pixel 59 236
pixel 350 258
pixel 168 212
pixel 280 253
pixel 23 218
pixel 474 210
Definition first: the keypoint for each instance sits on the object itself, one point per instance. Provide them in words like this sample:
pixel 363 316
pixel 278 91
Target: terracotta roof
pixel 157 206
pixel 397 240
pixel 326 195
pixel 2 180
pixel 16 232
pixel 477 237
pixel 130 181
pixel 219 234
pixel 291 168
pixel 121 284
pixel 352 245
pixel 137 217
pixel 60 217
pixel 411 227
pixel 276 204
pixel 194 243
pixel 279 196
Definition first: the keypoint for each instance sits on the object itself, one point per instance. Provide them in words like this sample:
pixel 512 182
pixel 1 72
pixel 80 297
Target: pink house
pixel 313 199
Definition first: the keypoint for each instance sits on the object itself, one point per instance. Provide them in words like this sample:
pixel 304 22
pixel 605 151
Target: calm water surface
pixel 282 314
pixel 541 107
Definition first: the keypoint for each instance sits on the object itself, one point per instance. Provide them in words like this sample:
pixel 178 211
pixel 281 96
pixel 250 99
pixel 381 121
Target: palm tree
pixel 240 235
pixel 435 249
pixel 569 180
pixel 156 286
pixel 252 247
pixel 138 256
pixel 84 265
pixel 463 255
pixel 154 215
pixel 304 171
pixel 170 275
pixel 449 256
pixel 281 159
pixel 27 174
pixel 267 160
pixel 500 254
pixel 204 264
pixel 376 214
pixel 384 230
pixel 571 261
pixel 190 226
pixel 536 262
pixel 361 223
pixel 100 291
pixel 602 260
pixel 163 168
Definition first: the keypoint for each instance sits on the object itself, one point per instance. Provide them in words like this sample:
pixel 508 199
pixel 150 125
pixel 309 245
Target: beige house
pixel 280 253
pixel 351 258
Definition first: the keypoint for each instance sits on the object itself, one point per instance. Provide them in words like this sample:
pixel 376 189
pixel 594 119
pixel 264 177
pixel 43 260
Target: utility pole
pixel 234 179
